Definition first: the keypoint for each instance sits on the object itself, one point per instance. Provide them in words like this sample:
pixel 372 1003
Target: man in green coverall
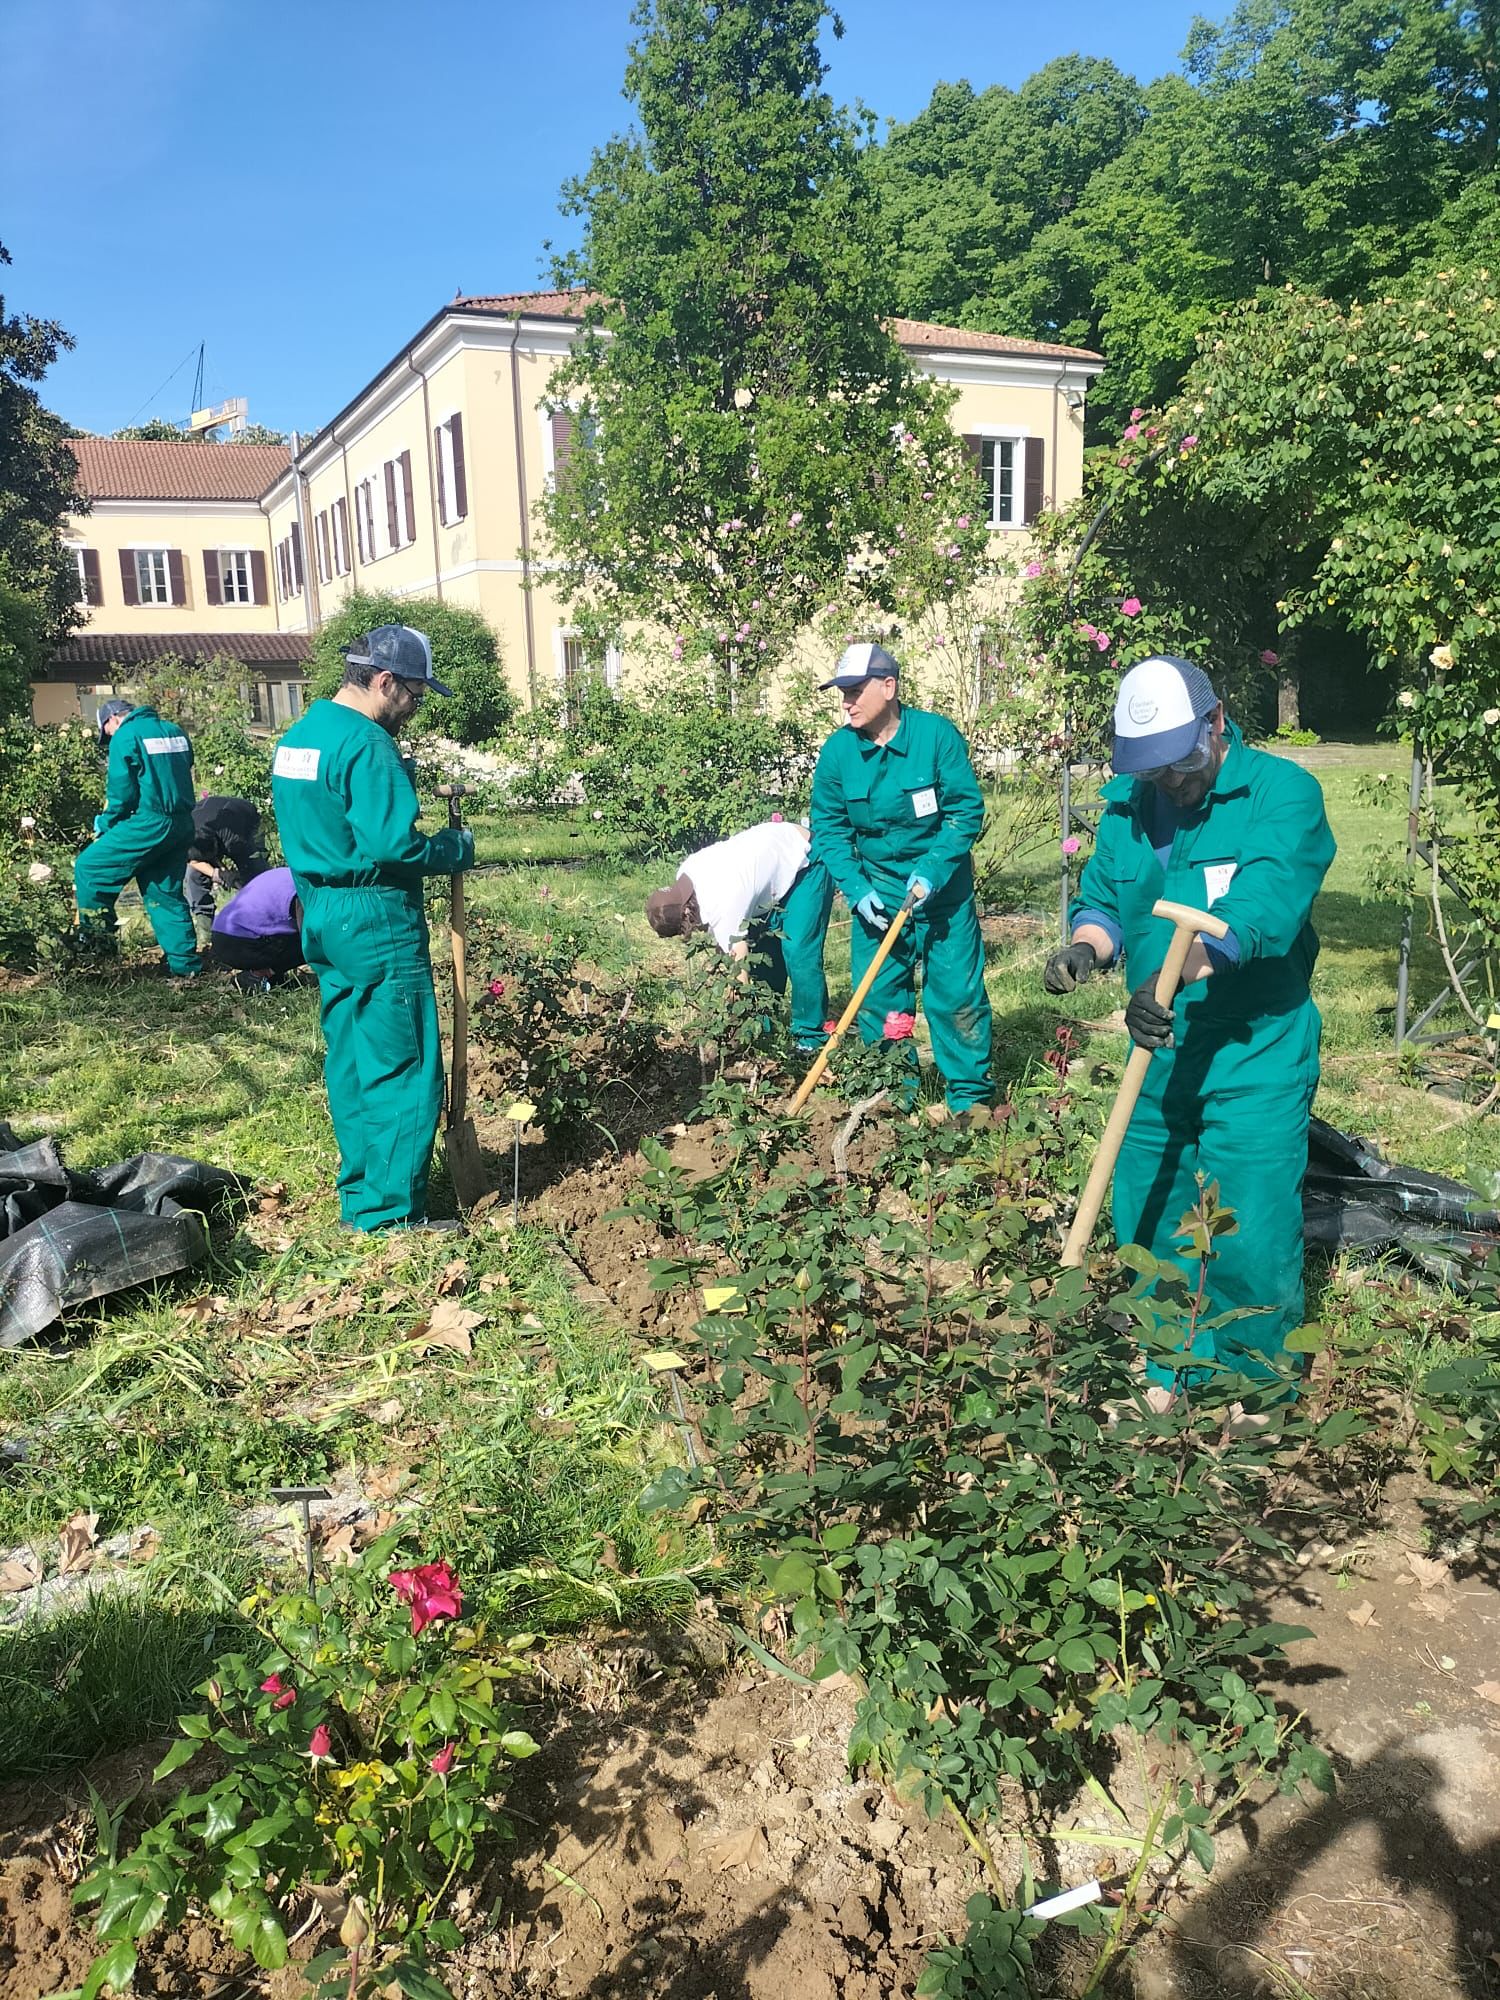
pixel 347 811
pixel 1198 817
pixel 896 809
pixel 143 833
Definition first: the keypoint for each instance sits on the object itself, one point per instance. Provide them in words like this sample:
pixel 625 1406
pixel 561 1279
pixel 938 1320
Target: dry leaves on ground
pixel 1362 1614
pixel 447 1325
pixel 20 1571
pixel 453 1277
pixel 75 1543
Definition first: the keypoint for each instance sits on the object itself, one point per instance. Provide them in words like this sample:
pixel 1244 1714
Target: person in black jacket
pixel 228 851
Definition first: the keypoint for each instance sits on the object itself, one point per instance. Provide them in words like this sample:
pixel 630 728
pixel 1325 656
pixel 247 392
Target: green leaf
pixel 843 1536
pixel 114 1968
pixel 1075 1656
pixel 444 1710
pixel 516 1743
pixel 1202 1847
pixel 182 1752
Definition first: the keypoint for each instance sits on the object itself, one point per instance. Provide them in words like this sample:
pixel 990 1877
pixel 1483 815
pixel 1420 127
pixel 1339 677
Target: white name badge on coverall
pixel 1217 877
pixel 924 803
pixel 294 763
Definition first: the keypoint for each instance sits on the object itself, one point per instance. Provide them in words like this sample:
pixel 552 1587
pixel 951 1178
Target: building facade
pixel 424 484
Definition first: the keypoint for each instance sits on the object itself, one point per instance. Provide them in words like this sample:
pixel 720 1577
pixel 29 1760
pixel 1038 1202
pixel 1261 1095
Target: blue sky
pixel 302 185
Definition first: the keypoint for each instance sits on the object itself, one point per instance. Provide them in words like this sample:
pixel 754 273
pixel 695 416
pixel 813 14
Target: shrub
pixel 204 697
pixel 670 773
pixel 52 782
pixel 465 657
pixel 360 1744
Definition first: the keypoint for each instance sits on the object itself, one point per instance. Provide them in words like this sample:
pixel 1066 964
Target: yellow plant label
pixel 521 1111
pixel 723 1299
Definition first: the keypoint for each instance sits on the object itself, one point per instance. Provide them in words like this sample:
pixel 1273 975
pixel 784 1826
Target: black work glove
pixel 1149 1023
pixel 1070 967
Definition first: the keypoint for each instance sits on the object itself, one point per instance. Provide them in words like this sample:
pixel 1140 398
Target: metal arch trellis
pixel 1471 974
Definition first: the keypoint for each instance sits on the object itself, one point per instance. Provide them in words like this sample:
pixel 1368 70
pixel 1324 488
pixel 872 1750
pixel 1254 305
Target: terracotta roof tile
pixel 963 340
pixel 128 649
pixel 141 469
pixel 912 333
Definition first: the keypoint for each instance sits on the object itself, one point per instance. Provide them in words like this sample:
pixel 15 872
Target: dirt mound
pixel 704 1845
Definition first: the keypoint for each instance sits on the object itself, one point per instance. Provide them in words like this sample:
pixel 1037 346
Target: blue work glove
pixel 871 910
pixel 100 822
pixel 921 885
pixel 466 851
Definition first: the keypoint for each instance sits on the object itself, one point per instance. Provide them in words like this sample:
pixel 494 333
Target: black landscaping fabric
pixel 1355 1199
pixel 67 1237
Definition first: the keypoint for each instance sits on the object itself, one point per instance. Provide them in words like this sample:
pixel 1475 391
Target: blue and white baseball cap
pixel 1159 712
pixel 861 663
pixel 400 650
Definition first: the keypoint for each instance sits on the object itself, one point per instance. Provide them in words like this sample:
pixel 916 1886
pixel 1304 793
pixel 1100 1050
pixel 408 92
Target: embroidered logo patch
pixel 293 763
pixel 1142 709
pixel 166 746
pixel 924 803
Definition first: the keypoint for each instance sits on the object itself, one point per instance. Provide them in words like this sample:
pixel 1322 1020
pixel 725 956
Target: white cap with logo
pixel 1159 713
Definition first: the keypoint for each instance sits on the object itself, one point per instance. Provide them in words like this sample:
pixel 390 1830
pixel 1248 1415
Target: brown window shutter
pixel 437 459
pixel 359 521
pixel 460 479
pixel 297 552
pixel 129 581
pixel 258 577
pixel 93 583
pixel 341 508
pixel 392 527
pixel 1033 499
pixel 411 512
pixel 213 588
pixel 176 576
pixel 562 444
pixel 320 537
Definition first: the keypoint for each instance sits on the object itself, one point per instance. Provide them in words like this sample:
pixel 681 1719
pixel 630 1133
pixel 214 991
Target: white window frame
pixel 564 636
pixel 76 549
pixel 154 557
pixel 338 541
pixel 1015 435
pixel 369 490
pixel 243 572
pixel 398 486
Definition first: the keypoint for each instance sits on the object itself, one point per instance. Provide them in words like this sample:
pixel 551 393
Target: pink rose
pixel 1189 443
pixel 1101 640
pixel 320 1744
pixel 1131 608
pixel 1132 432
pixel 442 1763
pixel 1032 569
pixel 899 1027
pixel 432 1591
pixel 1270 659
pixel 497 988
pixel 1136 415
pixel 1072 844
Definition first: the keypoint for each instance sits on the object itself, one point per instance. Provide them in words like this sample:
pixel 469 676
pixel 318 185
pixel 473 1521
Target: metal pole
pixel 1403 961
pixel 1066 886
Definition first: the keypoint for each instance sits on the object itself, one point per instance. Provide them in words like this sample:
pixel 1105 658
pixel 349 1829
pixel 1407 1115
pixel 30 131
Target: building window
pixel 400 509
pixel 997 470
pixel 339 524
pixel 323 546
pixel 289 564
pixel 364 519
pixel 452 476
pixel 236 580
pixel 257 703
pixel 153 577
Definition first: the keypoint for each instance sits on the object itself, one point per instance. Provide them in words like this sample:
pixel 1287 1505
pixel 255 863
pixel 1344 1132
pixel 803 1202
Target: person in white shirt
pixel 760 892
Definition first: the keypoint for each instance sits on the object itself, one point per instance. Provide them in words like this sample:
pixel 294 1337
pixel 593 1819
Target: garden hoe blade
pixel 857 1000
pixel 1188 923
pixel 460 1140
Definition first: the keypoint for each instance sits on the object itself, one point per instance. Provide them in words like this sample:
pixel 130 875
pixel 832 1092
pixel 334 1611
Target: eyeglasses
pixel 1192 765
pixel 415 691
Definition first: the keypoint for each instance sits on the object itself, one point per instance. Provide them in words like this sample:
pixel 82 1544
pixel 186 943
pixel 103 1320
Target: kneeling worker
pixel 896 808
pixel 1196 816
pixel 762 892
pixel 227 851
pixel 258 933
pixel 347 812
pixel 143 832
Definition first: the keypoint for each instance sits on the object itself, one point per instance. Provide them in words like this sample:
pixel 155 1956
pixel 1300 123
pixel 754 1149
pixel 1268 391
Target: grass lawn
pixel 301 1353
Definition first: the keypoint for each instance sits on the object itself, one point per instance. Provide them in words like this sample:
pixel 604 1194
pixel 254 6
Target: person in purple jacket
pixel 258 933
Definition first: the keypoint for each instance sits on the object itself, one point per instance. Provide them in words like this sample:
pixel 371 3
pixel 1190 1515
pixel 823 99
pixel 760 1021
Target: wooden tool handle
pixel 1189 923
pixel 458 1081
pixel 809 1082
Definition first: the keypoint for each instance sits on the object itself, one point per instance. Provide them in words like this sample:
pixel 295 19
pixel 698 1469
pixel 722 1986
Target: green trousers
pixel 791 940
pixel 151 850
pixel 1250 1137
pixel 384 1066
pixel 945 942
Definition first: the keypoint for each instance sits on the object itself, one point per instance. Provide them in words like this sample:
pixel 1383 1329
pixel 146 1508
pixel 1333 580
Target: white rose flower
pixel 28 824
pixel 1491 716
pixel 1441 657
pixel 743 398
pixel 39 872
pixel 1406 699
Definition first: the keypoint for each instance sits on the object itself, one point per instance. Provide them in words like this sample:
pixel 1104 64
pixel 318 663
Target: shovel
pixel 882 951
pixel 1188 924
pixel 460 1140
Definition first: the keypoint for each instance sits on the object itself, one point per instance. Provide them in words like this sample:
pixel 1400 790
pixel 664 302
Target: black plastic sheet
pixel 67 1237
pixel 1355 1199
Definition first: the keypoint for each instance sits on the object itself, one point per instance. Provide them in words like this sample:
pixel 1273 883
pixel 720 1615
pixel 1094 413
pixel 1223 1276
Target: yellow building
pixel 424 484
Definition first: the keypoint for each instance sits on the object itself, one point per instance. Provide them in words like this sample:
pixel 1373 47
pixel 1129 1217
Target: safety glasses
pixel 1191 766
pixel 415 691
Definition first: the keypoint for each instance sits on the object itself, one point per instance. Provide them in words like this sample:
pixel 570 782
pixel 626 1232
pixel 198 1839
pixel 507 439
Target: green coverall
pixel 791 938
pixel 145 831
pixel 347 811
pixel 882 812
pixel 1231 1098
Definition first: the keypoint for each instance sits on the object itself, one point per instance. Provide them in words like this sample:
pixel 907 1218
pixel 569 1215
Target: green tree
pixel 38 487
pixel 155 430
pixel 465 657
pixel 744 424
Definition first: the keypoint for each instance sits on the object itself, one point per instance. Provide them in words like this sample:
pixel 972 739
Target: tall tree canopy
pixel 38 486
pixel 744 425
pixel 1312 142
